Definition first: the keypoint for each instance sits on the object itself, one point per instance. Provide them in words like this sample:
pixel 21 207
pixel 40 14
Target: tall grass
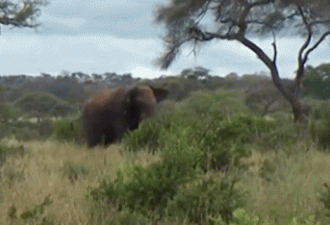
pixel 54 169
pixel 207 160
pixel 280 187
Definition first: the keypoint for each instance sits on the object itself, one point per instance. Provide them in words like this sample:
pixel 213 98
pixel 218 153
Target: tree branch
pixel 275 49
pixel 320 22
pixel 269 63
pixel 308 39
pixel 315 45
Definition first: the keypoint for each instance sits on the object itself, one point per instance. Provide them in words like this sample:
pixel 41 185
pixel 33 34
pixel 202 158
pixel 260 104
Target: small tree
pixel 317 81
pixel 21 13
pixel 265 99
pixel 188 20
pixel 43 104
pixel 7 112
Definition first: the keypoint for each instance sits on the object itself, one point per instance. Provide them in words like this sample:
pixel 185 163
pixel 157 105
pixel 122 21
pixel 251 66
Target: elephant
pixel 108 115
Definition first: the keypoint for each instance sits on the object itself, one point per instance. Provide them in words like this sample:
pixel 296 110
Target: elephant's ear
pixel 159 93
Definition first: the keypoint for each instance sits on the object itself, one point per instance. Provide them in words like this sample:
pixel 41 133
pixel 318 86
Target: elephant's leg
pixel 109 139
pixel 94 135
pixel 93 140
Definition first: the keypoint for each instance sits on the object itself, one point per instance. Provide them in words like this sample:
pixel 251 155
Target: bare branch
pixel 315 45
pixel 261 2
pixel 316 22
pixel 173 49
pixel 270 64
pixel 275 49
pixel 308 39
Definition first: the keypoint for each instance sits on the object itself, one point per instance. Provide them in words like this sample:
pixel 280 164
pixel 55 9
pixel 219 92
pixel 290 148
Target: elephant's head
pixel 140 103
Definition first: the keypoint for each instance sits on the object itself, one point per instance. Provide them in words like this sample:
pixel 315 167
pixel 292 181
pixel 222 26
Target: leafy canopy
pixel 22 13
pixel 204 20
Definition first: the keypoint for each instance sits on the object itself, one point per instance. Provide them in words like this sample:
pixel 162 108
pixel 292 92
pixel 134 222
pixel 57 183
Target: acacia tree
pixel 200 21
pixel 22 13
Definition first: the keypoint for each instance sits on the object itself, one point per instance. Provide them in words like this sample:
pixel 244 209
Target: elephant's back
pixel 105 100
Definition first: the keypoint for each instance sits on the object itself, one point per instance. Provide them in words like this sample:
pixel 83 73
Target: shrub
pixel 324 197
pixel 142 189
pixel 107 214
pixel 26 130
pixel 152 133
pixel 26 134
pixel 320 132
pixel 147 190
pixel 67 130
pixel 222 133
pixel 209 196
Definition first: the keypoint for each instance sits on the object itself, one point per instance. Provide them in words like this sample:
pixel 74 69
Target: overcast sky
pixel 120 36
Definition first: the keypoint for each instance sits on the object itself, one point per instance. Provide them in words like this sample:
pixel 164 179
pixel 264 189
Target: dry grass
pixel 288 186
pixel 62 171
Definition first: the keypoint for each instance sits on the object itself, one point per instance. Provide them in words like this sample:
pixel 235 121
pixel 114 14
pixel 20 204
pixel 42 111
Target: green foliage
pixel 317 81
pixel 21 14
pixel 8 112
pixel 320 132
pixel 147 190
pixel 143 189
pixel 310 220
pixel 43 104
pixel 68 130
pixel 26 130
pixel 242 217
pixel 107 214
pixel 217 124
pixel 206 197
pixel 324 197
pixel 265 99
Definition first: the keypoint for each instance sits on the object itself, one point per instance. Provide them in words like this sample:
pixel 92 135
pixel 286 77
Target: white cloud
pixel 106 53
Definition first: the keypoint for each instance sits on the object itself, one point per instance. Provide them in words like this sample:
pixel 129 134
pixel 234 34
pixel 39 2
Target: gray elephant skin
pixel 108 115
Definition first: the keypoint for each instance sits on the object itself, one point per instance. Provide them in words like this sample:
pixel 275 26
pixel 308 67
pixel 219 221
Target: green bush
pixel 146 190
pixel 209 196
pixel 217 123
pixel 105 214
pixel 26 134
pixel 324 197
pixel 174 118
pixel 26 130
pixel 242 217
pixel 320 132
pixel 67 130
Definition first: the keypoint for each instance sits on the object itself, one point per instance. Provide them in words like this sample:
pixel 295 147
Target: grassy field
pixel 61 171
pixel 213 165
pixel 280 187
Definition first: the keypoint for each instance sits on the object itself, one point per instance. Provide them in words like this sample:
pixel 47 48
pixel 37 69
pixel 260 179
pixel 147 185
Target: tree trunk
pixel 298 112
pixel 293 96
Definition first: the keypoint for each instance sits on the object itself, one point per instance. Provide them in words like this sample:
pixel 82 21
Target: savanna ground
pixel 208 160
pixel 62 172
